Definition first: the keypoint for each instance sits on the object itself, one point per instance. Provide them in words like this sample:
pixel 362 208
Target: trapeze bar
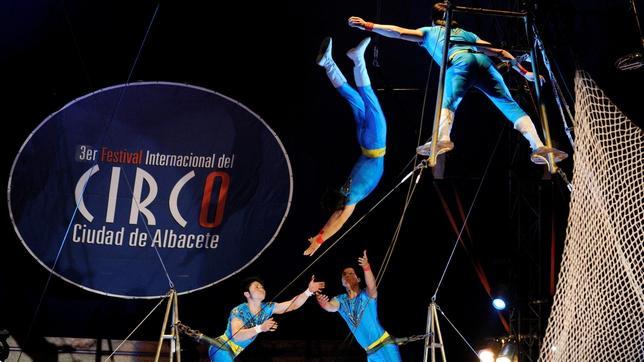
pixel 515 49
pixel 509 14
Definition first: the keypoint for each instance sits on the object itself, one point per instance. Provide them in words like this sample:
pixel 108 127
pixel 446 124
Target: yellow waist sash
pixel 451 57
pixel 385 336
pixel 234 347
pixel 373 153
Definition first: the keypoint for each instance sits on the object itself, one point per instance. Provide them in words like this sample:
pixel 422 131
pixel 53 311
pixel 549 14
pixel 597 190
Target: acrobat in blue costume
pixel 361 315
pixel 371 128
pixel 227 348
pixel 468 66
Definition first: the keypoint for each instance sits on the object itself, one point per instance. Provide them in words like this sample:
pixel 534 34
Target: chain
pixel 192 333
pixel 404 340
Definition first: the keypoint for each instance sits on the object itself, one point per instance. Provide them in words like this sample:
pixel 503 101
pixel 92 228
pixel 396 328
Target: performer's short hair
pixel 438 15
pixel 357 270
pixel 333 200
pixel 245 284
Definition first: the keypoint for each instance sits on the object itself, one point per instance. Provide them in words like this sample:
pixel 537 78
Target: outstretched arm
pixel 390 31
pixel 300 299
pixel 241 334
pixel 331 227
pixel 505 56
pixel 369 279
pixel 329 306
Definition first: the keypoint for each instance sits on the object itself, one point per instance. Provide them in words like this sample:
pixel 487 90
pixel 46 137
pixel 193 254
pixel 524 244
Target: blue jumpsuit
pixel 228 349
pixel 361 315
pixel 371 130
pixel 467 68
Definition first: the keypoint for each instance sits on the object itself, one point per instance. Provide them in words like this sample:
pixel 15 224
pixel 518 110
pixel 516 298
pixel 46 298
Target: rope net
pixel 598 310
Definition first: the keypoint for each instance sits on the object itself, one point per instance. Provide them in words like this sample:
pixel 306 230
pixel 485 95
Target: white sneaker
pixel 324 55
pixel 441 147
pixel 540 155
pixel 357 54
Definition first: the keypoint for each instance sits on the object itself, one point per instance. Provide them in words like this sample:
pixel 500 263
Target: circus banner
pixel 135 188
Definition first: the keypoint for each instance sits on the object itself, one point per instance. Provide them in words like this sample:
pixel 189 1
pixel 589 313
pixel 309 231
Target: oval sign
pixel 135 188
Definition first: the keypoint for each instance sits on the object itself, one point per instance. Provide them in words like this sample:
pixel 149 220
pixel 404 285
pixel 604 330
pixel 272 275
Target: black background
pixel 262 54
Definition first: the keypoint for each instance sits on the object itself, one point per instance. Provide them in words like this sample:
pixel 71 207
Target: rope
pixel 410 191
pixel 458 238
pixel 135 328
pixel 637 21
pixel 127 181
pixel 456 329
pixel 408 198
pixel 332 245
pixel 412 186
pixel 394 240
pixel 62 243
pixel 351 227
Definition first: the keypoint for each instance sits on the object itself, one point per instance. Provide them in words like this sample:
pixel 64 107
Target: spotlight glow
pixel 498 303
pixel 508 352
pixel 485 355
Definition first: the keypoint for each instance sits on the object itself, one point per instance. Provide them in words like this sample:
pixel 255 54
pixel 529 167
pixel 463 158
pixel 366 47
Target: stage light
pixel 508 353
pixel 498 303
pixel 488 349
pixel 486 355
pixel 631 61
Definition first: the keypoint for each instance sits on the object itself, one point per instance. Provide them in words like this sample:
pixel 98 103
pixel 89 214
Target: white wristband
pixel 258 328
pixel 308 292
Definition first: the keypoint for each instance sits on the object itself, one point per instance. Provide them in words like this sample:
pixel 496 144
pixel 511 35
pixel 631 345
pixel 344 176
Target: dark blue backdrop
pixel 212 186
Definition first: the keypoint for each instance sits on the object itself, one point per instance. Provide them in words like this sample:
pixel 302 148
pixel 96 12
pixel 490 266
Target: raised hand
pixel 314 286
pixel 269 325
pixel 363 261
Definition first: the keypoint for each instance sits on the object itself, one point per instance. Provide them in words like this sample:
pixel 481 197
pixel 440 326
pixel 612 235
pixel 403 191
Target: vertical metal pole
pixel 175 332
pixel 438 331
pixel 552 166
pixel 431 331
pixel 173 345
pixel 165 323
pixel 428 332
pixel 441 83
pixel 557 93
pixel 432 311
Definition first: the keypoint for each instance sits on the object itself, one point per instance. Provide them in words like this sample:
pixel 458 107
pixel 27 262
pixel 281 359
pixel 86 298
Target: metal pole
pixel 427 332
pixel 492 12
pixel 431 331
pixel 558 94
pixel 165 323
pixel 438 331
pixel 175 344
pixel 175 332
pixel 441 84
pixel 552 166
